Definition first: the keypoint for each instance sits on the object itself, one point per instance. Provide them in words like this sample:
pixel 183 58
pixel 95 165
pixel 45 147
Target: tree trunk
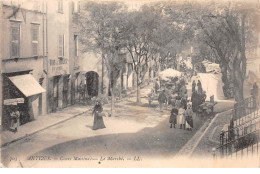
pixel 138 97
pixel 112 101
pixel 225 80
pixel 238 83
pixel 120 85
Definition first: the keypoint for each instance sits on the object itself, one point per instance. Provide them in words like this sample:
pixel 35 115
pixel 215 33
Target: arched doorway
pixel 92 82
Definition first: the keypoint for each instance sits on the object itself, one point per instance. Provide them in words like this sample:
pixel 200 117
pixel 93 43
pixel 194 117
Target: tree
pixel 138 42
pixel 224 31
pixel 100 25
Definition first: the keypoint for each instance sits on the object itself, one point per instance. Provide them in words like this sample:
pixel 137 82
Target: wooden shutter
pixel 15 41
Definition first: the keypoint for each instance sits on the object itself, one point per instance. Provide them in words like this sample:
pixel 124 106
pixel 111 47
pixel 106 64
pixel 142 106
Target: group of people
pixel 198 95
pixel 181 116
pixel 169 94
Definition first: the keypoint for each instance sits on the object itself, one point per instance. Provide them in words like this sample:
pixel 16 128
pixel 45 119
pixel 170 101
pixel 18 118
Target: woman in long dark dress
pixel 199 87
pixel 173 117
pixel 194 100
pixel 98 117
pixel 193 86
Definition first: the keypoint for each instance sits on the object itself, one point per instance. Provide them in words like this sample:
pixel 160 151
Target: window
pixel 61 46
pixel 60 6
pixel 15 40
pixel 75 45
pixel 35 40
pixel 75 7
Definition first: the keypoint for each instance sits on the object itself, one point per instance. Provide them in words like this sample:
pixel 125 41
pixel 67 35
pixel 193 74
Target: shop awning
pixel 27 84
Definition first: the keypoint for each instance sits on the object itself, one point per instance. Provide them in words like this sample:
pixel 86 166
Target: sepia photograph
pixel 129 84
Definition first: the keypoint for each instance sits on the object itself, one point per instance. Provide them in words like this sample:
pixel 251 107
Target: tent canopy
pixel 168 73
pixel 212 84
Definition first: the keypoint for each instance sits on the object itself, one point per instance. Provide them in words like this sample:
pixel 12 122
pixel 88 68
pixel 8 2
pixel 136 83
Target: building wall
pixel 57 24
pixel 26 17
pixel 74 61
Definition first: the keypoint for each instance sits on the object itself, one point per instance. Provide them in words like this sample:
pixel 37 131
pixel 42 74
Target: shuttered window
pixel 60 6
pixel 15 41
pixel 35 40
pixel 61 46
pixel 75 45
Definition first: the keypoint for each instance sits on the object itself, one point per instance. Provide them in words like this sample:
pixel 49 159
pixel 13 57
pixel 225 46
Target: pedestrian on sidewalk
pixel 98 116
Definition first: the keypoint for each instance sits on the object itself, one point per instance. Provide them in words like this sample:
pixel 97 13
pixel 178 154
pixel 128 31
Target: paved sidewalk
pixel 43 122
pixel 210 138
pixel 207 137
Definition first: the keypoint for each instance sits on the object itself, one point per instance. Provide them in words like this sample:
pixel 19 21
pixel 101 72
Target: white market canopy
pixel 212 84
pixel 169 73
pixel 211 67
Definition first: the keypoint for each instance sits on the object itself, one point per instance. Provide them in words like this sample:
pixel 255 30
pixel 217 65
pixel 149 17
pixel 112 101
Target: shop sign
pixel 58 67
pixel 13 101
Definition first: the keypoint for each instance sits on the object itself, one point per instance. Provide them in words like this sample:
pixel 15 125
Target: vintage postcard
pixel 132 84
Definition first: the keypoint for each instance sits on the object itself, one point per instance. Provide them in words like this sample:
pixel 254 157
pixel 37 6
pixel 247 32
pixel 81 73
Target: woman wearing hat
pixel 98 116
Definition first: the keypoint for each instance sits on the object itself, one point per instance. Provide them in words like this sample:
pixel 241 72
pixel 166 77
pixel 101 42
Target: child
pixel 188 117
pixel 181 118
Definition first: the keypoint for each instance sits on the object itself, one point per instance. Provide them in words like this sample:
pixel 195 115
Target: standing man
pixel 162 99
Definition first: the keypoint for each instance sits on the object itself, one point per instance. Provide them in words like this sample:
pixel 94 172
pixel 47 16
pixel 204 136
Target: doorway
pixel 92 81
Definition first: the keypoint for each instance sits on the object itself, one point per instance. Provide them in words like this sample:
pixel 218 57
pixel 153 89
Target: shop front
pixel 20 93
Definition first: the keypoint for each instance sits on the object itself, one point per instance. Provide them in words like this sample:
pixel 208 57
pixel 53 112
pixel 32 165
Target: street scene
pixel 129 84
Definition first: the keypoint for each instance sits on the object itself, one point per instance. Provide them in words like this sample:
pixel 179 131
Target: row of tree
pixel 159 31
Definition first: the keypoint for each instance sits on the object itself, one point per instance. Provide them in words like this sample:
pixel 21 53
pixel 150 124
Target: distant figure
pixel 255 95
pixel 178 101
pixel 203 97
pixel 199 87
pixel 162 99
pixel 184 102
pixel 81 91
pixel 98 116
pixel 193 86
pixel 173 117
pixel 156 86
